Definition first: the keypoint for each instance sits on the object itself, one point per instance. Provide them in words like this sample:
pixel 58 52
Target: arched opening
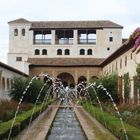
pixel 23 32
pixel 89 52
pixel 93 78
pixel 67 52
pixel 44 52
pixel 37 52
pixel 16 32
pixel 82 52
pixel 82 79
pixel 3 84
pixel 67 79
pixel 59 52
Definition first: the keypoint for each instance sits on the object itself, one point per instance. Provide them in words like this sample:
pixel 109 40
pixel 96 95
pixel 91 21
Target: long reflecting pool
pixel 66 126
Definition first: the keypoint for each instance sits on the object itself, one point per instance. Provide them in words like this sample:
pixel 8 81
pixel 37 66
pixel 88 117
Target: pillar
pixel 53 37
pixel 75 40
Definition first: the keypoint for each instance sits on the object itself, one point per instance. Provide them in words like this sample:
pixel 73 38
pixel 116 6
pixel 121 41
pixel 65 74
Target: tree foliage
pixel 110 82
pixel 126 87
pixel 20 84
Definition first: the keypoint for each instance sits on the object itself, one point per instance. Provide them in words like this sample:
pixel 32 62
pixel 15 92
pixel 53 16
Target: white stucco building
pixel 7 73
pixel 61 39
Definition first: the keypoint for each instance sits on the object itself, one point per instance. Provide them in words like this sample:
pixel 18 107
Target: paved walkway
pixel 40 127
pixel 92 128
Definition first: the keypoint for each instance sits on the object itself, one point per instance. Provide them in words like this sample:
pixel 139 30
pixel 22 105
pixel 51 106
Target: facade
pixel 31 41
pixel 7 74
pixel 124 61
pixel 73 51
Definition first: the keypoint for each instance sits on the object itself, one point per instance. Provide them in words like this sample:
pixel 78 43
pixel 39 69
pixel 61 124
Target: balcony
pixel 86 41
pixel 42 41
pixel 66 41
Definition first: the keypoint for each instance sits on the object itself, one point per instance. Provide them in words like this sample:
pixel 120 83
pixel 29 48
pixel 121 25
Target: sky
pixel 123 12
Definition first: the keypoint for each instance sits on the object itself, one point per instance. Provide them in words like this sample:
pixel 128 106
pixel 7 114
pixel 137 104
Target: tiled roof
pixel 20 20
pixel 75 24
pixel 12 69
pixel 69 24
pixel 65 61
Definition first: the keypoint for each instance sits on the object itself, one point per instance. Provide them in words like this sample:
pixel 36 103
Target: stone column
pixel 88 78
pixel 75 40
pixel 131 91
pixel 53 37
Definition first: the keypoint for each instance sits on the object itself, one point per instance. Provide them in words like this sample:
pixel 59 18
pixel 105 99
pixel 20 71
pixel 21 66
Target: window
pixel 125 60
pixel 131 56
pixel 23 32
pixel 44 52
pixel 67 52
pixel 18 58
pixel 89 52
pixel 111 39
pixel 82 52
pixel 59 52
pixel 120 63
pixel 37 52
pixel 108 49
pixel 16 32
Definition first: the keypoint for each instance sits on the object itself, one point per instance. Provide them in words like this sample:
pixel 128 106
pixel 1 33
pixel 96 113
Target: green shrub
pixel 21 122
pixel 113 123
pixel 110 82
pixel 20 84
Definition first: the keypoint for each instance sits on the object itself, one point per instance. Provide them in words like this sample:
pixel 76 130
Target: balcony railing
pixel 87 41
pixel 64 41
pixel 42 41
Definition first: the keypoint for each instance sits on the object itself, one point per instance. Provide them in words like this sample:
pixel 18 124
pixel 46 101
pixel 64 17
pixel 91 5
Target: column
pixel 53 37
pixel 131 91
pixel 75 39
pixel 88 78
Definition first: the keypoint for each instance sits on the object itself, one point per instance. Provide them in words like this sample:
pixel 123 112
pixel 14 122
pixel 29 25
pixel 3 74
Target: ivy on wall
pixel 138 76
pixel 126 87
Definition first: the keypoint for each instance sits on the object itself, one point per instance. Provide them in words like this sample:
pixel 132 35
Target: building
pixel 123 61
pixel 7 73
pixel 69 50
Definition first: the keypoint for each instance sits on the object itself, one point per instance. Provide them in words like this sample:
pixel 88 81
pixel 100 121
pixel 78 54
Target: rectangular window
pixel 120 63
pixel 18 58
pixel 111 39
pixel 125 60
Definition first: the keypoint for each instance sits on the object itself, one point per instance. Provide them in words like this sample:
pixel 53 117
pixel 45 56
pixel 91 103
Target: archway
pixel 82 79
pixel 67 79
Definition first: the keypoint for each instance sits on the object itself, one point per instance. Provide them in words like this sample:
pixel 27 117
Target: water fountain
pixel 17 110
pixel 93 86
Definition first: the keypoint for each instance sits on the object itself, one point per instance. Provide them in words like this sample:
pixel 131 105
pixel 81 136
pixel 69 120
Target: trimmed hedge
pixel 21 122
pixel 113 123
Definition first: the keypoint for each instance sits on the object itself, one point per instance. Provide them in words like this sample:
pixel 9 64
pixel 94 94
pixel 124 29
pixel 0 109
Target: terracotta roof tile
pixel 75 24
pixel 69 24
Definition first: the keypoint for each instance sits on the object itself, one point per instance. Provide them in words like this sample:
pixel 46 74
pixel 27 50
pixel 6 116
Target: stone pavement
pixel 92 128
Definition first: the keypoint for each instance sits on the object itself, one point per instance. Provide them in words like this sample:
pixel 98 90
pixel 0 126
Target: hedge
pixel 21 122
pixel 113 123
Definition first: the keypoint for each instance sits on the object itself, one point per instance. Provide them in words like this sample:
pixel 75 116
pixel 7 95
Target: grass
pixel 21 122
pixel 113 123
pixel 8 108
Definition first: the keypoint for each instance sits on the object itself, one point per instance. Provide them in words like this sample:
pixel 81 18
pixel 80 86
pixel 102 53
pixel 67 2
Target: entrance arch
pixel 67 79
pixel 82 79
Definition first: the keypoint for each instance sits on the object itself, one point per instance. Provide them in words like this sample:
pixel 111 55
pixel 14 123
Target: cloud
pixel 123 12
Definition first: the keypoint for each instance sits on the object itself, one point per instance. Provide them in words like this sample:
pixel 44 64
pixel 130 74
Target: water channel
pixel 66 126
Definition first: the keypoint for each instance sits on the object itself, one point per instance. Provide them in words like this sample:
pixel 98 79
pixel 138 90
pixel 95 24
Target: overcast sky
pixel 123 12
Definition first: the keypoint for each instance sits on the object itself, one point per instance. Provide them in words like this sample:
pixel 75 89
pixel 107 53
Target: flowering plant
pixel 136 37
